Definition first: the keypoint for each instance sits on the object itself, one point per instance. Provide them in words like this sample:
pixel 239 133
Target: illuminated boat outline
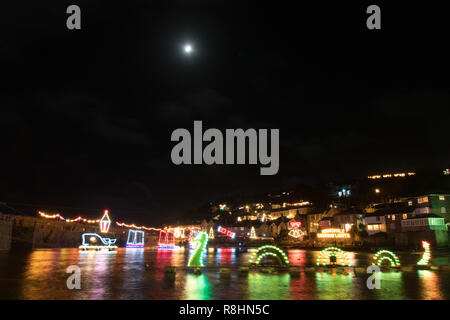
pixel 108 243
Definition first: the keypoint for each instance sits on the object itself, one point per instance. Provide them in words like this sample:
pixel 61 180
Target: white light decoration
pixel 93 241
pixel 252 233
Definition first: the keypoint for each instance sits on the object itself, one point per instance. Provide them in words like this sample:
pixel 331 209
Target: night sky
pixel 86 116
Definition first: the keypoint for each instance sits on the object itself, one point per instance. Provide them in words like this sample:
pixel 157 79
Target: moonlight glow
pixel 188 48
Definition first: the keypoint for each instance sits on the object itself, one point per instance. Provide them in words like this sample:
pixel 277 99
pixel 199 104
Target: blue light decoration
pixel 93 241
pixel 136 239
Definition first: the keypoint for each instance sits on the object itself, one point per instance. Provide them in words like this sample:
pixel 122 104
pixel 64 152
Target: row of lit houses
pixel 428 214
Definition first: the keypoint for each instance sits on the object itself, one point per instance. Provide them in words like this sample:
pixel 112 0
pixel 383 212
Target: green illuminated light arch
pixel 271 251
pixel 324 258
pixel 383 255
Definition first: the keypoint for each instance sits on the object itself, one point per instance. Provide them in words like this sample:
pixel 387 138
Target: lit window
pixel 443 210
pixel 422 199
pixel 374 227
pixel 393 217
pixel 405 216
pixel 441 198
pixel 410 203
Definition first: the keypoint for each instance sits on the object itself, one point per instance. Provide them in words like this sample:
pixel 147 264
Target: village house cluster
pixel 386 219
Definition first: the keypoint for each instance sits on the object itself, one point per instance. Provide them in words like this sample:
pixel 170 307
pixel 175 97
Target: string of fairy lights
pixel 60 217
pixel 177 230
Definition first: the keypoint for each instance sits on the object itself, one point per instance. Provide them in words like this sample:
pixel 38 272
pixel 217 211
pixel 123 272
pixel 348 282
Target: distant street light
pixel 377 190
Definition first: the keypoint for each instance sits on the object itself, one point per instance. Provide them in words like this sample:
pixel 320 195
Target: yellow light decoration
pixel 333 233
pixel 58 216
pixel 178 233
pixel 325 255
pixel 133 226
pixel 390 175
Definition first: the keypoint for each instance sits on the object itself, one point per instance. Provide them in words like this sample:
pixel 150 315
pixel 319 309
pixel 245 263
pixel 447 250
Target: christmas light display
pixel 326 255
pixel 268 250
pixel 133 226
pixel 252 233
pixel 105 222
pixel 333 233
pixel 200 240
pixel 178 233
pixel 93 241
pixel 166 240
pixel 226 232
pixel 383 255
pixel 211 233
pixel 135 239
pixel 295 231
pixel 426 257
pixel 58 216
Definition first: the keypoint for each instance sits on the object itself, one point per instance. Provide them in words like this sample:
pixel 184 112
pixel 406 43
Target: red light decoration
pixel 226 232
pixel 166 240
pixel 295 224
pixel 295 231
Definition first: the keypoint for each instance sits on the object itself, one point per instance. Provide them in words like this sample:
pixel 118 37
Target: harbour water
pixel 139 274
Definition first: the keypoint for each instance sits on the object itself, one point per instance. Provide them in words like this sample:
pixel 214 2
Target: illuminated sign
pixel 333 233
pixel 226 232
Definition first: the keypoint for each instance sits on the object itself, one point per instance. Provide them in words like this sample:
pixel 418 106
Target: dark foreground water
pixel 41 274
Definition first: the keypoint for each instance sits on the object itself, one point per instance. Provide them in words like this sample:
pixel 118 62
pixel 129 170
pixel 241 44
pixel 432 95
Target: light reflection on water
pixel 139 274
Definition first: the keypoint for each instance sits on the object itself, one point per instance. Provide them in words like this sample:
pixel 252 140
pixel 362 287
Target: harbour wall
pixel 5 235
pixel 26 233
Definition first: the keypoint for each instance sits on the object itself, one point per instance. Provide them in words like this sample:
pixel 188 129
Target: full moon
pixel 188 48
